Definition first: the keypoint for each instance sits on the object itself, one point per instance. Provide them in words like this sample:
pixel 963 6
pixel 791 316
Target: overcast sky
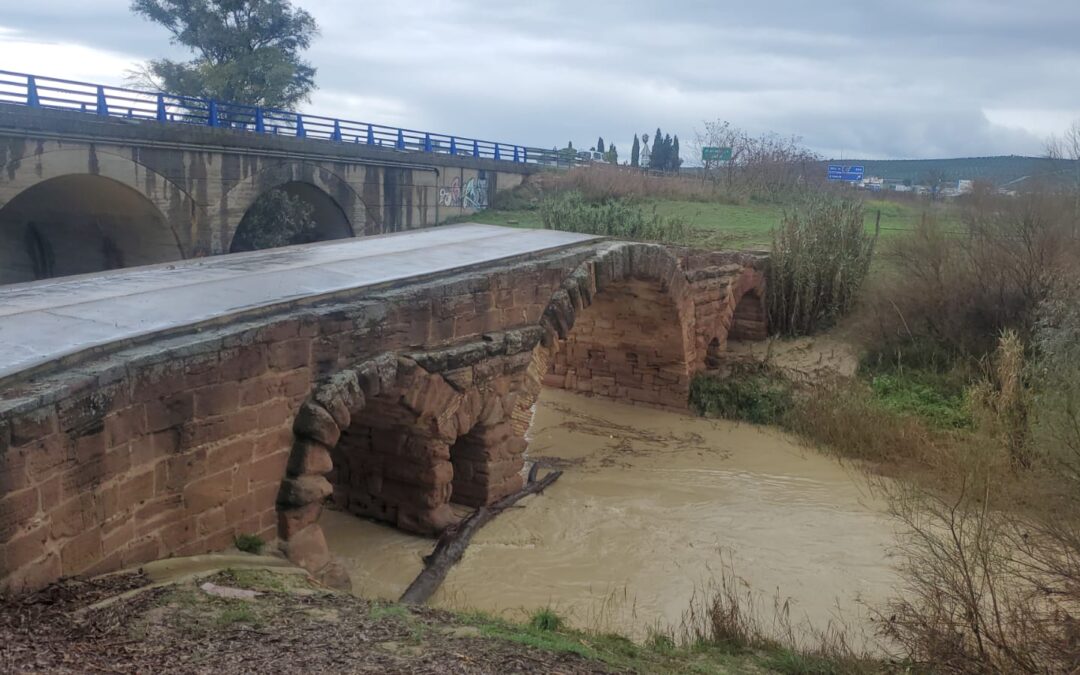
pixel 918 78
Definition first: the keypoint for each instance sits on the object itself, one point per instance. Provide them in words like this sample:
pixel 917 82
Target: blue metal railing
pixel 37 91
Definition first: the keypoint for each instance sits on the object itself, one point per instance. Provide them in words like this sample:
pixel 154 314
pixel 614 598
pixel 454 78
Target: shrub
pixel 821 254
pixel 545 619
pixel 614 218
pixel 843 417
pixel 752 395
pixel 1055 375
pixel 249 543
pixel 984 591
pixel 954 294
pixel 1003 401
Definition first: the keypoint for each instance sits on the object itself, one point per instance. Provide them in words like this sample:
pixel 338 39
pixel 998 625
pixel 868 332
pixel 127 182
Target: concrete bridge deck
pixel 45 321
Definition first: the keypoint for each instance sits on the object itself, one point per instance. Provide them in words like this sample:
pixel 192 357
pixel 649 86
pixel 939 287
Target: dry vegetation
pixel 990 505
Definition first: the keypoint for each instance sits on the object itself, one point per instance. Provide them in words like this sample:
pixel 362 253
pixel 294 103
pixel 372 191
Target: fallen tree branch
pixel 453 542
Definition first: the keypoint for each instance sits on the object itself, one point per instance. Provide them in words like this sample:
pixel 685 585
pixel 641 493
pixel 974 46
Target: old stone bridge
pixel 83 193
pixel 163 410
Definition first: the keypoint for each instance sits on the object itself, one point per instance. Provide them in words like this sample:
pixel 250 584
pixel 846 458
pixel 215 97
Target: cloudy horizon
pixel 928 80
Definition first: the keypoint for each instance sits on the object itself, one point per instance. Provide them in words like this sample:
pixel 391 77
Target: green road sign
pixel 713 154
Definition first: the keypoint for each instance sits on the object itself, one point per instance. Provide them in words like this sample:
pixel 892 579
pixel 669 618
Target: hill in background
pixel 997 170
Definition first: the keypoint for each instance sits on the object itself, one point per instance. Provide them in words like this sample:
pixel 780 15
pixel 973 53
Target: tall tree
pixel 675 161
pixel 656 159
pixel 246 51
pixel 612 154
pixel 635 152
pixel 600 145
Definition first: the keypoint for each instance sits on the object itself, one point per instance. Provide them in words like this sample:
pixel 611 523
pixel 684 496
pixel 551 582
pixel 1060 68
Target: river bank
pixel 653 509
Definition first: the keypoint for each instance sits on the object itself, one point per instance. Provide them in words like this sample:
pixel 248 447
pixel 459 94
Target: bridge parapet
pixel 393 403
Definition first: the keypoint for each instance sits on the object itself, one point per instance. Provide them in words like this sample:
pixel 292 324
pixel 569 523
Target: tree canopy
pixel 245 51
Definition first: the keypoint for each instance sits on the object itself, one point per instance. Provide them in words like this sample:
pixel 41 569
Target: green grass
pixel 618 651
pixel 237 611
pixel 923 394
pixel 383 611
pixel 741 225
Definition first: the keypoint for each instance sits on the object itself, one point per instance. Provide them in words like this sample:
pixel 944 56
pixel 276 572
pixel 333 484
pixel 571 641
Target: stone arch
pixel 331 195
pixel 622 326
pixel 166 202
pixel 81 223
pixel 396 437
pixel 749 318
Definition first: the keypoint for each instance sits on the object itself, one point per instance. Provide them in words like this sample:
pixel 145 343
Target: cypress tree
pixel 676 160
pixel 600 145
pixel 656 157
pixel 635 152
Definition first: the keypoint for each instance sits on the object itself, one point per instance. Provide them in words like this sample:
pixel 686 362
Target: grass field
pixel 744 225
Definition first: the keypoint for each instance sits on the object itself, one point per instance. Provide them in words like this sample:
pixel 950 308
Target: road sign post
pixel 715 154
pixel 850 174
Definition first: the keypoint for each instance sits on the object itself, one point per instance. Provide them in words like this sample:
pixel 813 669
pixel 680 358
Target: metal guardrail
pixel 36 91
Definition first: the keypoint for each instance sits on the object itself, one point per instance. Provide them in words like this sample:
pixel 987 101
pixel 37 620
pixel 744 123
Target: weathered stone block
pixel 303 490
pixel 313 421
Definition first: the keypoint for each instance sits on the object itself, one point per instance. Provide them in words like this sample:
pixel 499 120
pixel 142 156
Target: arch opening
pixel 749 320
pixel 404 459
pixel 713 354
pixel 81 223
pixel 308 214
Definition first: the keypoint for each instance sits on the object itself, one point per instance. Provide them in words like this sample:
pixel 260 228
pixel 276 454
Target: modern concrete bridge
pixel 163 410
pixel 83 192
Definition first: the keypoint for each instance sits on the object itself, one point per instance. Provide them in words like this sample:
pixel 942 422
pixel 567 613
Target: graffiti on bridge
pixel 474 195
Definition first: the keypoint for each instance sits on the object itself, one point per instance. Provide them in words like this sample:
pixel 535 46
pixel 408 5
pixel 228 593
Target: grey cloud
pixel 898 80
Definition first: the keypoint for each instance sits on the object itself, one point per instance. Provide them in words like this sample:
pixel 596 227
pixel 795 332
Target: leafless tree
pixel 766 165
pixel 1065 149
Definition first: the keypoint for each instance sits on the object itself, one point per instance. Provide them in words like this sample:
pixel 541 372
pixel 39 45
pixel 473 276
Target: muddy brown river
pixel 653 507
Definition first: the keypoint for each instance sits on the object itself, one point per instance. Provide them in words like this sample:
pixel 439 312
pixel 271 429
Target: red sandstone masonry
pixel 176 446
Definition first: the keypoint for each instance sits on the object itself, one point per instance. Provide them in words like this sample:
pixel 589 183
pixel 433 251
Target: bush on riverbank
pixel 750 394
pixel 570 212
pixel 821 254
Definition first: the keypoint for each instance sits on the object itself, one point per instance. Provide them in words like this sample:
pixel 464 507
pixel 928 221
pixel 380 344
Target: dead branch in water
pixel 454 540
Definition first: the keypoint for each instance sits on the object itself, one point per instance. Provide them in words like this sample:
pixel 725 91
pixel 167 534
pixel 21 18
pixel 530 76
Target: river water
pixel 653 508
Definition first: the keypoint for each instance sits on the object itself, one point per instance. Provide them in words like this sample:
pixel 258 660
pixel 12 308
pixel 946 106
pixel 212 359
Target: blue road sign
pixel 847 173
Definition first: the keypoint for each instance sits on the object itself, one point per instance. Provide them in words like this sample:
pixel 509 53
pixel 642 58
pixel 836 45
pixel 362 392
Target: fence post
pixel 400 140
pixel 525 155
pixel 31 92
pixel 300 131
pixel 453 145
pixel 517 155
pixel 260 121
pixel 336 136
pixel 475 149
pixel 497 151
pixel 161 116
pixel 427 142
pixel 370 135
pixel 102 104
pixel 211 113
